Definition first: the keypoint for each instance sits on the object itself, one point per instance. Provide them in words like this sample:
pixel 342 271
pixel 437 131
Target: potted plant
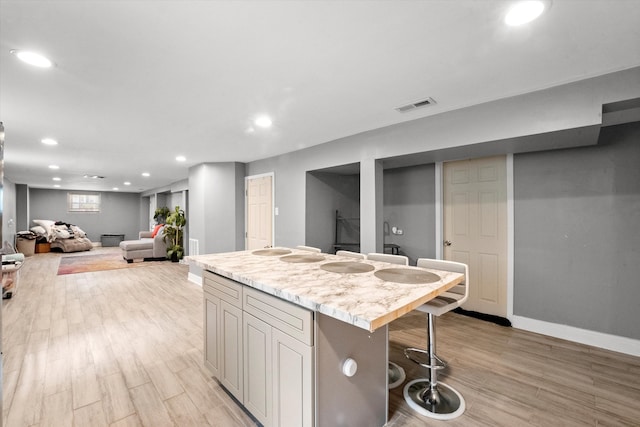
pixel 173 233
pixel 161 214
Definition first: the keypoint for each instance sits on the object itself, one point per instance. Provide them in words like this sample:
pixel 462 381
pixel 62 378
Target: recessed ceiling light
pixel 127 183
pixel 181 158
pixel 146 174
pixel 524 11
pixel 57 178
pixel 115 188
pixel 54 167
pixel 49 141
pixel 56 185
pixel 263 121
pixel 32 58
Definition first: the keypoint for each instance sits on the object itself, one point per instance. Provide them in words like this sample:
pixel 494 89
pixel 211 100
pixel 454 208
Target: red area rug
pixel 101 262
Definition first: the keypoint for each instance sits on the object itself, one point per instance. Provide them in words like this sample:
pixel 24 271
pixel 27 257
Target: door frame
pixel 273 204
pixel 439 202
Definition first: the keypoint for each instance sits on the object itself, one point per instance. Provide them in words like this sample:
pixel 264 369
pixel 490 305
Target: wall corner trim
pixel 583 336
pixel 194 278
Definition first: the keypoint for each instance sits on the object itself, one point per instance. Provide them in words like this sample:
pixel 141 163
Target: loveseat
pixel 149 246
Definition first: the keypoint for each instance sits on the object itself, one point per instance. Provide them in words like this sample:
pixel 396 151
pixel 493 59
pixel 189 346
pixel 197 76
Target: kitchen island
pixel 301 339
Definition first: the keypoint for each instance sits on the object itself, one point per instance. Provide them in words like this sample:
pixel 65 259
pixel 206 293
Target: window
pixel 83 202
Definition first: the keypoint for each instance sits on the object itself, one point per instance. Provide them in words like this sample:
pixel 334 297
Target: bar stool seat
pixel 308 248
pixel 427 396
pixel 351 254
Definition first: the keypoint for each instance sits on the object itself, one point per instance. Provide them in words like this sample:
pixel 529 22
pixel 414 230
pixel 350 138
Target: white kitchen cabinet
pixel 231 353
pixel 223 354
pixel 211 324
pixel 288 359
pixel 292 381
pixel 260 348
pixel 258 394
pixel 278 376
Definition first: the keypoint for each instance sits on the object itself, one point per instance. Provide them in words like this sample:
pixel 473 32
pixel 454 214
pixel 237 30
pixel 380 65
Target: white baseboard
pixel 195 279
pixel 583 336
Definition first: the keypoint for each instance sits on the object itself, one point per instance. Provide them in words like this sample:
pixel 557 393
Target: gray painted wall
pixel 120 212
pixel 9 219
pixel 535 116
pixel 175 199
pixel 577 238
pixel 326 193
pixel 216 206
pixel 409 204
pixel 22 207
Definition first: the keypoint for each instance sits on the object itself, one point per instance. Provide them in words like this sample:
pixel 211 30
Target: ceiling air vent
pixel 414 105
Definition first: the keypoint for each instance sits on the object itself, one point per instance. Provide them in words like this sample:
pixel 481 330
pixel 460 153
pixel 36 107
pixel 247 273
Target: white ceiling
pixel 137 83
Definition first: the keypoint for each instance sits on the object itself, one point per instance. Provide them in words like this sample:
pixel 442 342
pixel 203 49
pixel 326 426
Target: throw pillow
pixel 156 229
pixel 38 229
pixel 47 225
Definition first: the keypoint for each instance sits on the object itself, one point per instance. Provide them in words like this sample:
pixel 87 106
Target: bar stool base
pixel 396 375
pixel 450 405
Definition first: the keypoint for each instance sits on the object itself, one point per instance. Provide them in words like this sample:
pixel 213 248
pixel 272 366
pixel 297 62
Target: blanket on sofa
pixel 62 236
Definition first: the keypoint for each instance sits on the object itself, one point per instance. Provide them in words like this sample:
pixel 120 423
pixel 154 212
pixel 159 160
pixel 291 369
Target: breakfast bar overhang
pixel 333 308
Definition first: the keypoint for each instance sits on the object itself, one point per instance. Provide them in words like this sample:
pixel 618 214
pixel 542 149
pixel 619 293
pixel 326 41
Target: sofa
pixel 62 236
pixel 149 246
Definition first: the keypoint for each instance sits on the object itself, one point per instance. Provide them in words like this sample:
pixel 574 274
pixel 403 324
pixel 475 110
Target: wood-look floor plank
pixel 90 415
pixel 85 387
pixel 27 398
pixel 58 376
pixel 183 412
pixel 123 348
pixel 115 397
pixel 133 370
pixel 164 380
pixel 57 410
pixel 150 407
pixel 130 421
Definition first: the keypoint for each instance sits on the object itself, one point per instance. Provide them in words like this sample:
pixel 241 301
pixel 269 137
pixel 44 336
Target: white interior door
pixel 259 203
pixel 475 228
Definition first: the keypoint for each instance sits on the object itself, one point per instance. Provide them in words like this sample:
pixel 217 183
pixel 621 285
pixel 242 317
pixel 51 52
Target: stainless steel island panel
pixel 360 400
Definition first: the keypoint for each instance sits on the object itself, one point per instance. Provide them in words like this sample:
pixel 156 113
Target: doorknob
pixel 447 242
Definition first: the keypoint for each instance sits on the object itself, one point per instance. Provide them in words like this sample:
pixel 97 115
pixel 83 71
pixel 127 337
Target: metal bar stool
pixel 393 259
pixel 350 254
pixel 309 248
pixel 396 372
pixel 426 395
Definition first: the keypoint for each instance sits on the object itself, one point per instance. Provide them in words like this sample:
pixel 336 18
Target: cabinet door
pixel 257 369
pixel 211 323
pixel 231 349
pixel 292 381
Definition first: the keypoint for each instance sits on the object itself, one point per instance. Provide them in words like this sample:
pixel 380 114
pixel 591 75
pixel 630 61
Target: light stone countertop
pixel 360 299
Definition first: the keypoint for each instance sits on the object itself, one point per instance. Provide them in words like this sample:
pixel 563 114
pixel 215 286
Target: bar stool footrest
pixel 408 354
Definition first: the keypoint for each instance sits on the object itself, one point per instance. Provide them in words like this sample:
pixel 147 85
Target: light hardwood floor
pixel 124 348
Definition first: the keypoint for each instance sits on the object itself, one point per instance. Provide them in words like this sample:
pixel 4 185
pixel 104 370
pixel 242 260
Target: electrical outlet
pixel 396 230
